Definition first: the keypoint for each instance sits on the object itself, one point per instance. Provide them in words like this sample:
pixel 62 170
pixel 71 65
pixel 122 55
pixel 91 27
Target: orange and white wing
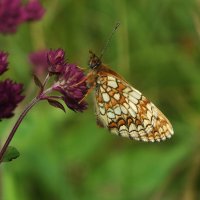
pixel 126 112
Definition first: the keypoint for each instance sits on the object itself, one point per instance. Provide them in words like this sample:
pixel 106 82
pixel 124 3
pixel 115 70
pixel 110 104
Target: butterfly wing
pixel 126 112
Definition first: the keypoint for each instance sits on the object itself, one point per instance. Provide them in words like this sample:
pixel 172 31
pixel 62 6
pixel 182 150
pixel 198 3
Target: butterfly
pixel 123 109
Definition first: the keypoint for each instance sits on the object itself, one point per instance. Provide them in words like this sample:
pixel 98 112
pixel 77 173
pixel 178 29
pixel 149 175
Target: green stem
pixel 18 122
pixel 41 96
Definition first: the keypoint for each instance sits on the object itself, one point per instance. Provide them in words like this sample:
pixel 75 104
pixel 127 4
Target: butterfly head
pixel 94 61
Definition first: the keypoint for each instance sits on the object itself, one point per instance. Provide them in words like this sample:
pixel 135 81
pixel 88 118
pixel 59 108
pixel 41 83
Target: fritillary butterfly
pixel 123 109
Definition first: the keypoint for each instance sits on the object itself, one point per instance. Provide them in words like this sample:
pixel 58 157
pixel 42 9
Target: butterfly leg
pixel 89 79
pixel 88 92
pixel 86 79
pixel 81 81
pixel 83 68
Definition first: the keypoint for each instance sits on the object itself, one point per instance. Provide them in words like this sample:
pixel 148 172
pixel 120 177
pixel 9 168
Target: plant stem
pixel 18 122
pixel 46 80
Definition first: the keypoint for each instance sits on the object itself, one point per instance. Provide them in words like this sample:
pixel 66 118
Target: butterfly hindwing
pixel 126 112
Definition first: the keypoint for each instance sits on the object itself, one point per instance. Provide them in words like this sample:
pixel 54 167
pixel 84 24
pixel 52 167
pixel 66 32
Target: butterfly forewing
pixel 126 112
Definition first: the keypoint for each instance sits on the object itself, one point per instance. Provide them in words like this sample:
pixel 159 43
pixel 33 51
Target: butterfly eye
pixel 94 61
pixel 94 64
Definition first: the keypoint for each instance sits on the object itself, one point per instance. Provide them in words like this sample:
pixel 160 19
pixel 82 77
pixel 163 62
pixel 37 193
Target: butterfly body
pixel 123 109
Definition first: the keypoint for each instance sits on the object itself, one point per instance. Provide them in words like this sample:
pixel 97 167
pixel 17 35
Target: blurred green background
pixel 66 156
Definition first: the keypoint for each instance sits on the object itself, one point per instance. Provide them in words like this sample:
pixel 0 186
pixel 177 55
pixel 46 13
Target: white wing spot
pixel 111 115
pixel 108 89
pixel 123 131
pixel 98 81
pixel 102 110
pixel 146 122
pixel 132 127
pixel 151 139
pixel 145 139
pixel 117 96
pixel 127 90
pixel 132 99
pixel 110 78
pixel 124 110
pixel 160 130
pixel 117 111
pixel 157 139
pixel 133 107
pixel 139 127
pixel 149 115
pixel 149 106
pixel 102 89
pixel 126 105
pixel 134 134
pixel 168 135
pixel 135 94
pixel 112 84
pixel 133 113
pixel 106 97
pixel 101 104
pixel 114 130
pixel 142 133
pixel 163 137
pixel 149 129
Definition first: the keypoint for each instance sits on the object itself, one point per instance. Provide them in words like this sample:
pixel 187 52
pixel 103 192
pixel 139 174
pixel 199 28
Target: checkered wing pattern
pixel 126 112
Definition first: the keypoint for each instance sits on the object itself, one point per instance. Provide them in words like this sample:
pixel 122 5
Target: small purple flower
pixel 10 15
pixel 33 10
pixel 3 62
pixel 56 60
pixel 39 61
pixel 70 86
pixel 10 93
pixel 69 79
pixel 13 13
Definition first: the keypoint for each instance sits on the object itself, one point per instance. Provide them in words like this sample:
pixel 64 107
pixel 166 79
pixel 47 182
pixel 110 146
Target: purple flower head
pixel 56 60
pixel 33 10
pixel 10 15
pixel 69 79
pixel 3 62
pixel 70 86
pixel 39 61
pixel 13 13
pixel 10 93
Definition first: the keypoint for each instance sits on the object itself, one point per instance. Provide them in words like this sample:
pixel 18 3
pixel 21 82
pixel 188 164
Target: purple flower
pixel 56 60
pixel 10 93
pixel 70 86
pixel 39 61
pixel 13 13
pixel 33 10
pixel 10 15
pixel 3 62
pixel 69 79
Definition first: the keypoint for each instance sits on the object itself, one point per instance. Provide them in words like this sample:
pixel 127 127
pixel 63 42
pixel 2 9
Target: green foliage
pixel 10 154
pixel 66 156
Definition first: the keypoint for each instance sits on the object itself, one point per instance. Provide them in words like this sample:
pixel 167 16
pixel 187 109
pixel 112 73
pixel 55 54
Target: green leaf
pixel 56 104
pixel 37 81
pixel 11 153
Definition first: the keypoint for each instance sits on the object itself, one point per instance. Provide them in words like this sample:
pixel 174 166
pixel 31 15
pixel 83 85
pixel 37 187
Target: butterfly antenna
pixel 109 39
